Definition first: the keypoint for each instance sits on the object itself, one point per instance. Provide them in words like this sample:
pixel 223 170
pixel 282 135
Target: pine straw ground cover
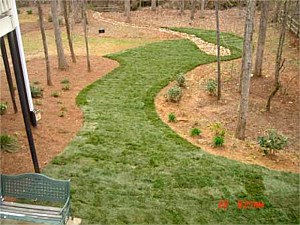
pixel 128 167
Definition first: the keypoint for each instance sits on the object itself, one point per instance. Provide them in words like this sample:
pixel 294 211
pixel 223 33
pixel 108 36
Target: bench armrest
pixel 66 206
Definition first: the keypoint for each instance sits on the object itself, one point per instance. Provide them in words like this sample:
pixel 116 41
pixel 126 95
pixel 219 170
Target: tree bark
pixel 278 64
pixel 153 5
pixel 62 63
pixel 261 38
pixel 193 9
pixel 202 9
pixel 68 28
pixel 181 7
pixel 243 110
pixel 45 45
pixel 85 36
pixel 127 10
pixel 218 50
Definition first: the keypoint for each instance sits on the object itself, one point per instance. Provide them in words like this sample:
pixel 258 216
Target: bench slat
pixel 30 214
pixel 39 207
pixel 16 209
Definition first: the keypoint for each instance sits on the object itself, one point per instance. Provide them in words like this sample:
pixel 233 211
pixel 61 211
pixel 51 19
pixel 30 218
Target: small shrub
pixel 36 91
pixel 8 143
pixel 211 86
pixel 3 108
pixel 55 94
pixel 195 132
pixel 174 94
pixel 218 141
pixel 18 11
pixel 172 117
pixel 50 19
pixel 180 80
pixel 66 87
pixel 38 102
pixel 29 11
pixel 272 141
pixel 65 81
pixel 218 129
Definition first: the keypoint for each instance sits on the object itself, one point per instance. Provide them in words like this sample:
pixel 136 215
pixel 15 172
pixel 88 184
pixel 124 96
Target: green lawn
pixel 128 167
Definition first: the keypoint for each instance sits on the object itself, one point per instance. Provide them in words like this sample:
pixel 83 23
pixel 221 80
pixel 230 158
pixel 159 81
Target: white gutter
pixel 22 55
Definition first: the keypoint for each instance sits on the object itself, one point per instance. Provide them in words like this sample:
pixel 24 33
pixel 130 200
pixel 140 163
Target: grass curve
pixel 128 167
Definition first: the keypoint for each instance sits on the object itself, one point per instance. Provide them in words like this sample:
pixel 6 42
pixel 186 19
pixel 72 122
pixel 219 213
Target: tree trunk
pixel 261 38
pixel 218 48
pixel 62 63
pixel 44 38
pixel 249 24
pixel 127 10
pixel 85 35
pixel 277 11
pixel 278 64
pixel 202 9
pixel 193 9
pixel 67 22
pixel 153 5
pixel 181 7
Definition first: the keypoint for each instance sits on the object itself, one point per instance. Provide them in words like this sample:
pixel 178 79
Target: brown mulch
pixel 53 132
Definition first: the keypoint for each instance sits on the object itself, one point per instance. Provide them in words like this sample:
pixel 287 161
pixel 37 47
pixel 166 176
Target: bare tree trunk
pixel 127 10
pixel 181 7
pixel 277 11
pixel 193 9
pixel 279 64
pixel 261 38
pixel 67 22
pixel 62 63
pixel 249 25
pixel 218 46
pixel 85 35
pixel 202 9
pixel 153 5
pixel 44 38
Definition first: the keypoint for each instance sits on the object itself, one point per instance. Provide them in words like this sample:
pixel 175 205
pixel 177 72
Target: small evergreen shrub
pixel 3 108
pixel 36 91
pixel 8 143
pixel 195 132
pixel 66 87
pixel 172 117
pixel 29 11
pixel 180 80
pixel 211 86
pixel 65 81
pixel 55 94
pixel 50 19
pixel 174 94
pixel 272 140
pixel 218 141
pixel 219 134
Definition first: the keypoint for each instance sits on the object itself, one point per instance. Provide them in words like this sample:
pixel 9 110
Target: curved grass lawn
pixel 128 167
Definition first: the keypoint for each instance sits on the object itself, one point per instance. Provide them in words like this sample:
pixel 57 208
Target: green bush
pixel 3 108
pixel 29 11
pixel 180 80
pixel 218 141
pixel 211 86
pixel 36 91
pixel 174 94
pixel 195 132
pixel 218 129
pixel 272 141
pixel 55 94
pixel 172 117
pixel 66 87
pixel 8 143
pixel 65 81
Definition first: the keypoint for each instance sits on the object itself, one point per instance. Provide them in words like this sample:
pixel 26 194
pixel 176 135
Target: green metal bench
pixel 36 188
